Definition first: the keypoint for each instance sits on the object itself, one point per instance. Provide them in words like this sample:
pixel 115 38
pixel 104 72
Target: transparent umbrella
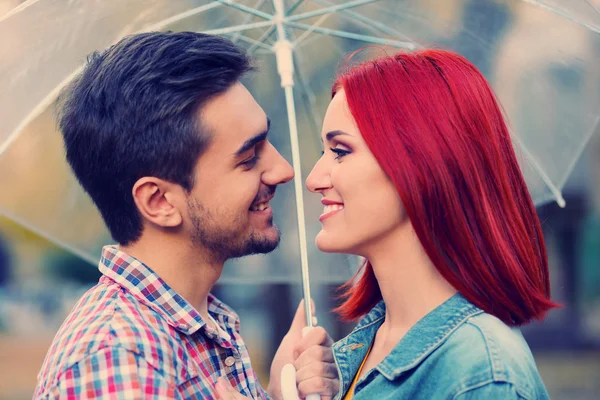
pixel 541 57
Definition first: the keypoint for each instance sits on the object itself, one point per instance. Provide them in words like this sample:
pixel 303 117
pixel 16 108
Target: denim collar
pixel 419 342
pixel 427 335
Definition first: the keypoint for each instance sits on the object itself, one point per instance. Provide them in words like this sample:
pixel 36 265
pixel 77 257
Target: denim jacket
pixel 457 351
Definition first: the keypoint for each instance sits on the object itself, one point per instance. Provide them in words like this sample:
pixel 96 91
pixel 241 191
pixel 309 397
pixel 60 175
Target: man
pixel 173 150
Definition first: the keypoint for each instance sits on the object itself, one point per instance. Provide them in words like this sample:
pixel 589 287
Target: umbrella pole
pixel 285 66
pixel 283 51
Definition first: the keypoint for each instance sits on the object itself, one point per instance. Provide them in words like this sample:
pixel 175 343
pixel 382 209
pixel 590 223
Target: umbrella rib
pixel 18 9
pixel 562 14
pixel 270 31
pixel 238 28
pixel 49 238
pixel 246 9
pixel 540 171
pixel 315 121
pixel 356 36
pixel 330 9
pixel 257 6
pixel 294 7
pixel 593 6
pixel 197 10
pixel 307 32
pixel 94 261
pixel 357 17
pixel 262 38
pixel 594 130
pixel 41 106
pixel 255 43
pixel 51 97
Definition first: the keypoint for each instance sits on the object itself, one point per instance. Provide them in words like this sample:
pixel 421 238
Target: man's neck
pixel 183 268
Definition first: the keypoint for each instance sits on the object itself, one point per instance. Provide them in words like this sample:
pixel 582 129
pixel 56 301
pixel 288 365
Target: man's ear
pixel 156 200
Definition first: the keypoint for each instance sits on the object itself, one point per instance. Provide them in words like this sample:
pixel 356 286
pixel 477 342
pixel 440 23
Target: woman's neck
pixel 410 284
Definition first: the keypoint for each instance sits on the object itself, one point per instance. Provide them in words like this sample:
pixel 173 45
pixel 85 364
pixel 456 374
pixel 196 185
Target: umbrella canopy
pixel 541 57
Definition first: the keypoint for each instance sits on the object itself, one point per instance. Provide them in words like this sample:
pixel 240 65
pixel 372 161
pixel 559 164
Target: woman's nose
pixel 318 179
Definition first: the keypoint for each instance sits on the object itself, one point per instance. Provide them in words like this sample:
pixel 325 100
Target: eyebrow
pixel 253 141
pixel 330 135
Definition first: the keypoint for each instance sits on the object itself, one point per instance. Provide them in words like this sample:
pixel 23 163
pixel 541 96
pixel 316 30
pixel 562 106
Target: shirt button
pixel 229 361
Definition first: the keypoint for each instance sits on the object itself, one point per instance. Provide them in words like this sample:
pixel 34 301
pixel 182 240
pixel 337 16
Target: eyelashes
pixel 339 153
pixel 251 163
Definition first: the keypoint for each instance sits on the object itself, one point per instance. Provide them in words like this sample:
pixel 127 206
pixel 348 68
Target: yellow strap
pixel 350 393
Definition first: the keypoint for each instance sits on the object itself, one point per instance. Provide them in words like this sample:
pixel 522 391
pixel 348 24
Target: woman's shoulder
pixel 486 352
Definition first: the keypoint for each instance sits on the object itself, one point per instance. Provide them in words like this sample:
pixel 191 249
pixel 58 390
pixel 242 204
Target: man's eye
pixel 339 152
pixel 250 163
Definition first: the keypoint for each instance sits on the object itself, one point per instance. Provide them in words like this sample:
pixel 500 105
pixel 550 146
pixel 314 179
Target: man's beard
pixel 225 242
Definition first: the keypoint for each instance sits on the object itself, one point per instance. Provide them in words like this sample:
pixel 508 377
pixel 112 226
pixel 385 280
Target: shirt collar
pixel 427 335
pixel 143 283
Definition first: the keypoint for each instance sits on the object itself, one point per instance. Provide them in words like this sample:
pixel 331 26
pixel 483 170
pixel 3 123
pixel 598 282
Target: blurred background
pixel 541 57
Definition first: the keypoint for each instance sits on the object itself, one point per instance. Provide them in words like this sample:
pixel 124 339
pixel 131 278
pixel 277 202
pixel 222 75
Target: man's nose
pixel 280 170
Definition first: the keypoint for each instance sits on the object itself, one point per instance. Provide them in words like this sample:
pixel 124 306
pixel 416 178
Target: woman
pixel 419 177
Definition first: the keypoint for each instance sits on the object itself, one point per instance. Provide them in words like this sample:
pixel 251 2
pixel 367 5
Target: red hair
pixel 435 127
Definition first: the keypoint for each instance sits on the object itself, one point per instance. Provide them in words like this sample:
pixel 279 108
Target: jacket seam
pixel 488 382
pixel 475 386
pixel 498 370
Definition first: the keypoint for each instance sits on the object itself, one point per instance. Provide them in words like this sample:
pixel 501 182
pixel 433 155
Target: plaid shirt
pixel 132 337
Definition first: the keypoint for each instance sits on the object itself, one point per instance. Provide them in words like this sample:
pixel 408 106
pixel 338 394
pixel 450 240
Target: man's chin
pixel 265 241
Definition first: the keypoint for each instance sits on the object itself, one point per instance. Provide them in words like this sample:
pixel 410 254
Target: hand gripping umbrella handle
pixel 289 390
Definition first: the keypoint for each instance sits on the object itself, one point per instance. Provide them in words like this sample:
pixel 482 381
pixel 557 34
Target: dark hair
pixel 132 112
pixel 435 127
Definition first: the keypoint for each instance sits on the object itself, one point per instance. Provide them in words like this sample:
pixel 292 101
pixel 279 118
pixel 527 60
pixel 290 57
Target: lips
pixel 328 202
pixel 260 206
pixel 331 208
pixel 263 203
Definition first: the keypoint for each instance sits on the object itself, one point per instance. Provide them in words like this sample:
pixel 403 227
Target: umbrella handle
pixel 289 390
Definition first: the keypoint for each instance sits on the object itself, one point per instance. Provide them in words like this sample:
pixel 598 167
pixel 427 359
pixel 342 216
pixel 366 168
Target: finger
pixel 299 320
pixel 319 385
pixel 315 337
pixel 223 389
pixel 226 392
pixel 314 354
pixel 316 369
pixel 319 335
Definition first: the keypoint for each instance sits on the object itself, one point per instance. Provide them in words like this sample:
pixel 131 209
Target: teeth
pixel 332 207
pixel 260 206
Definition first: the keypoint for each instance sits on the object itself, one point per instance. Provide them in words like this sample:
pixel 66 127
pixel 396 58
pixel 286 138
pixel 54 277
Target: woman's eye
pixel 339 152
